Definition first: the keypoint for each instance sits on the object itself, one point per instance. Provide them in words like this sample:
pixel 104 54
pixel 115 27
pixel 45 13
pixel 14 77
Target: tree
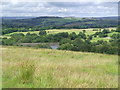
pixel 50 37
pixel 103 48
pixel 78 41
pixel 101 42
pixel 65 40
pixel 103 35
pixel 66 46
pixel 105 31
pixel 81 45
pixel 115 36
pixel 84 31
pixel 28 34
pixel 118 29
pixel 57 37
pixel 64 34
pixel 72 36
pixel 42 32
pixel 99 29
pixel 82 35
pixel 9 41
pixel 17 36
pixel 95 29
pixel 90 37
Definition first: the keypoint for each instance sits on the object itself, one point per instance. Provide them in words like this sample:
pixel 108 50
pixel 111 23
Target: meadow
pixel 25 67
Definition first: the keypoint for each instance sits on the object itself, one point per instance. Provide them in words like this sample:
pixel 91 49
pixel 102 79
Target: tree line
pixel 72 41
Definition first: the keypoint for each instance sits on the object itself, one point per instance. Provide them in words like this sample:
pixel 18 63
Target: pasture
pixel 55 31
pixel 25 67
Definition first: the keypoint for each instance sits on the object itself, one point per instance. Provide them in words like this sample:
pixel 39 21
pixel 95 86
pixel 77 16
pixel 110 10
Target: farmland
pixel 55 31
pixel 26 67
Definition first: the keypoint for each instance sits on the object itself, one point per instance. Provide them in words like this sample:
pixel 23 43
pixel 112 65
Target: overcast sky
pixel 64 9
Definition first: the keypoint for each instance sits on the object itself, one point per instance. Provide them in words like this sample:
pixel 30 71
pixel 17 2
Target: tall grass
pixel 27 69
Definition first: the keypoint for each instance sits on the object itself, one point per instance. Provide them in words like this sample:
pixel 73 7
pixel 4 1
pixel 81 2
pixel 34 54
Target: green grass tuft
pixel 27 69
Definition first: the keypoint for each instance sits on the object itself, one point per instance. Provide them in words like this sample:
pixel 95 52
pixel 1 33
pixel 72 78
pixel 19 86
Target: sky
pixel 36 8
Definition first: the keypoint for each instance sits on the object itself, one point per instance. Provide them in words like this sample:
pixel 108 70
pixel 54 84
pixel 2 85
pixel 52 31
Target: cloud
pixel 77 9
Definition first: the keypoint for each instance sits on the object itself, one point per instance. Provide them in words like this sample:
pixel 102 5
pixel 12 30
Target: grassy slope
pixel 36 68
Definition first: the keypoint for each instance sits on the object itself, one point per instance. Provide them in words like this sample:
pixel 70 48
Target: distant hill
pixel 109 18
pixel 47 22
pixel 16 17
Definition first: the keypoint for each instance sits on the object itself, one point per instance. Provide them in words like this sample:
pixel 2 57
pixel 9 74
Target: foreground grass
pixel 45 68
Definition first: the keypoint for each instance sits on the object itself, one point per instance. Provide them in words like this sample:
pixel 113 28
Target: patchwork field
pixel 55 31
pixel 45 68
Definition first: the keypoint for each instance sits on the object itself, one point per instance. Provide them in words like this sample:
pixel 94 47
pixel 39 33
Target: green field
pixel 54 31
pixel 25 67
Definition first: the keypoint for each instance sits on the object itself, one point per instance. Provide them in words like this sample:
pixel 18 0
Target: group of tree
pixel 72 41
pixel 103 33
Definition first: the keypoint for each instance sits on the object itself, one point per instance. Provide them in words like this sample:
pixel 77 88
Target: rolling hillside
pixel 59 22
pixel 45 68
